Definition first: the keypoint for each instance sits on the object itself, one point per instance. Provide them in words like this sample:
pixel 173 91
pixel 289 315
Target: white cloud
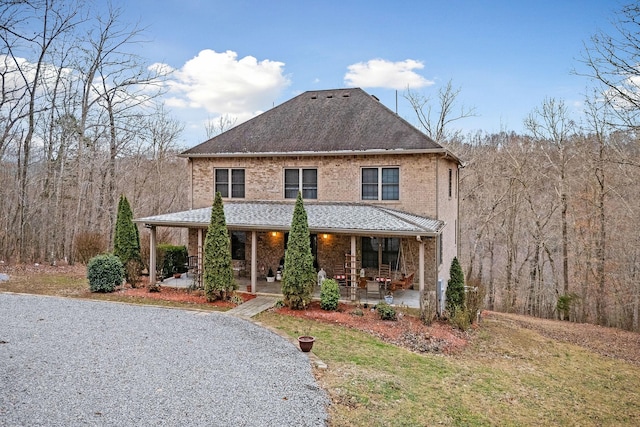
pixel 220 83
pixel 386 74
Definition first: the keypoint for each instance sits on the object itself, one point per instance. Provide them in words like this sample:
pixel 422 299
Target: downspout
pixel 152 255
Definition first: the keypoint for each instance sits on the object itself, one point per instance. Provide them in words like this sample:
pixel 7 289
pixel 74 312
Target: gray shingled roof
pixel 327 121
pixel 356 219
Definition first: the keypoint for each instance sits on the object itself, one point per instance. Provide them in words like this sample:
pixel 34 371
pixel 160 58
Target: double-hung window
pixel 230 182
pixel 381 183
pixel 304 180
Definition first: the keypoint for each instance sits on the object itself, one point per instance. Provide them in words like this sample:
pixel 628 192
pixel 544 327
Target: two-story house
pixel 373 186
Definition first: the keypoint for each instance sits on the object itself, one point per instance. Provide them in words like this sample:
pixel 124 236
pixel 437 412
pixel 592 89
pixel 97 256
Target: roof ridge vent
pixel 345 95
pixel 330 95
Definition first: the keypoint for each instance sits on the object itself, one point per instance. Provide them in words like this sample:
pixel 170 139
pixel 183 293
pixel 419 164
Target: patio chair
pixel 383 279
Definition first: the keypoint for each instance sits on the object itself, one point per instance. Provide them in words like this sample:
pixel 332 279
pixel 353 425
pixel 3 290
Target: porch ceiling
pixel 340 218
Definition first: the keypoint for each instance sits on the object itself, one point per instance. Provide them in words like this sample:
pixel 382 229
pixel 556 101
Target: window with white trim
pixel 381 183
pixel 229 182
pixel 304 180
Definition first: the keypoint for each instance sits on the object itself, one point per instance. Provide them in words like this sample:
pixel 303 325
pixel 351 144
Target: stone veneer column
pixel 152 256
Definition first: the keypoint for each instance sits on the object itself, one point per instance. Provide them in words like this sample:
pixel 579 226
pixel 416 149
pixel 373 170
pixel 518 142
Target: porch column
pixel 200 271
pixel 354 282
pixel 254 261
pixel 152 256
pixel 421 268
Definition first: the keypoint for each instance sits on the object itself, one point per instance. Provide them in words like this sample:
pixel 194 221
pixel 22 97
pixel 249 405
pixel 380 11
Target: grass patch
pixel 508 376
pixel 73 283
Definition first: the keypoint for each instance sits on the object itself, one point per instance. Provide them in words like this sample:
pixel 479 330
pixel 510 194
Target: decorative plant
pixel 299 275
pixel 386 312
pixel 104 272
pixel 455 288
pixel 329 295
pixel 218 269
pixel 126 242
pixel 173 259
pixel 270 273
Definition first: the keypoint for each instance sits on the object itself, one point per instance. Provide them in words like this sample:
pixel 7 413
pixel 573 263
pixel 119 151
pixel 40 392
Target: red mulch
pixel 182 295
pixel 408 331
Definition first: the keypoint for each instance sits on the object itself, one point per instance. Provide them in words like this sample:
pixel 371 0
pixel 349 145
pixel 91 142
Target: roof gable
pixel 324 121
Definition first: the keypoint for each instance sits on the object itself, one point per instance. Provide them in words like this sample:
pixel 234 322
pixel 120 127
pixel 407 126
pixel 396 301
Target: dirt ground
pixel 610 342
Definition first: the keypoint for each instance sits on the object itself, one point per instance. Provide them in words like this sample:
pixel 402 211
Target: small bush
pixel 357 312
pixel 460 318
pixel 173 259
pixel 236 299
pixel 88 245
pixel 329 295
pixel 105 272
pixel 386 312
pixel 133 271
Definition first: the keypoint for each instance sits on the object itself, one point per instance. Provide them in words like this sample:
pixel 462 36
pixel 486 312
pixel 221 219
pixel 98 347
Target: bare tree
pixel 55 22
pixel 437 123
pixel 612 61
pixel 551 124
pixel 220 124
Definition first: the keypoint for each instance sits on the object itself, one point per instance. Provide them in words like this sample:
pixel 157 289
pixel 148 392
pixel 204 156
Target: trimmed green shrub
pixel 126 238
pixel 105 272
pixel 329 295
pixel 172 259
pixel 386 312
pixel 299 275
pixel 218 268
pixel 455 288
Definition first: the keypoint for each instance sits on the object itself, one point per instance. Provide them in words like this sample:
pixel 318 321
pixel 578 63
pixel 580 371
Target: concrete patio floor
pixel 406 297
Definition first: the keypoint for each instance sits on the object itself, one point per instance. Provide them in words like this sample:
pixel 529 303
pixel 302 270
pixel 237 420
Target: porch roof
pixel 342 218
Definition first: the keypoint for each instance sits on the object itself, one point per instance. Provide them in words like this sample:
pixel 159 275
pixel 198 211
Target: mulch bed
pixel 407 331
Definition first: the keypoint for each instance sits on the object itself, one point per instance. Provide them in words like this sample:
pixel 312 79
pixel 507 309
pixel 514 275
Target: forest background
pixel 550 217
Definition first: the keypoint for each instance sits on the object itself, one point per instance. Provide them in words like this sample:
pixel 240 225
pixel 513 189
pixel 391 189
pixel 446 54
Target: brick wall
pixel 339 179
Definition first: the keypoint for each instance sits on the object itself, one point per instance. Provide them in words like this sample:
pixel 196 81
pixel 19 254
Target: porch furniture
pixel 194 272
pixel 405 283
pixel 383 279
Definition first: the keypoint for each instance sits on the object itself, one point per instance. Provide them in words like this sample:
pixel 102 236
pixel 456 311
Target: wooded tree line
pixel 550 218
pixel 543 222
pixel 80 123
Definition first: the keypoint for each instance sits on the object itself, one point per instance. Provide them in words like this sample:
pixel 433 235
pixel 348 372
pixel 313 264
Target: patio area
pixel 406 297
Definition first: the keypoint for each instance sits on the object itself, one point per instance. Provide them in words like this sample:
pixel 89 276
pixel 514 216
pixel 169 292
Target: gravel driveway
pixel 66 362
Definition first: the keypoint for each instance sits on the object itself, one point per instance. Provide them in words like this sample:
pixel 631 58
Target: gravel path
pixel 66 362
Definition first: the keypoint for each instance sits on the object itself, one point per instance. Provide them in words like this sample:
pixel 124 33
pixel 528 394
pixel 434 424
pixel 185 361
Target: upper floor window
pixel 380 183
pixel 304 180
pixel 450 183
pixel 230 182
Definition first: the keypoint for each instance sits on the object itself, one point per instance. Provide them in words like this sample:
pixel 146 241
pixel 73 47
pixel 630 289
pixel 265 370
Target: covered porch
pixel 406 297
pixel 356 232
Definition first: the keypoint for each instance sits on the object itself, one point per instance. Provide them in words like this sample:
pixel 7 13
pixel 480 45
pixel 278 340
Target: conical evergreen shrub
pixel 218 269
pixel 299 275
pixel 126 242
pixel 455 288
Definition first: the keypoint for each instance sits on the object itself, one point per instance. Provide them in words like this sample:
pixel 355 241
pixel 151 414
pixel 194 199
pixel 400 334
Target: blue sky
pixel 241 57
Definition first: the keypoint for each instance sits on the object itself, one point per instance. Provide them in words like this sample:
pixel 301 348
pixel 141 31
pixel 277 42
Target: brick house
pixel 373 186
